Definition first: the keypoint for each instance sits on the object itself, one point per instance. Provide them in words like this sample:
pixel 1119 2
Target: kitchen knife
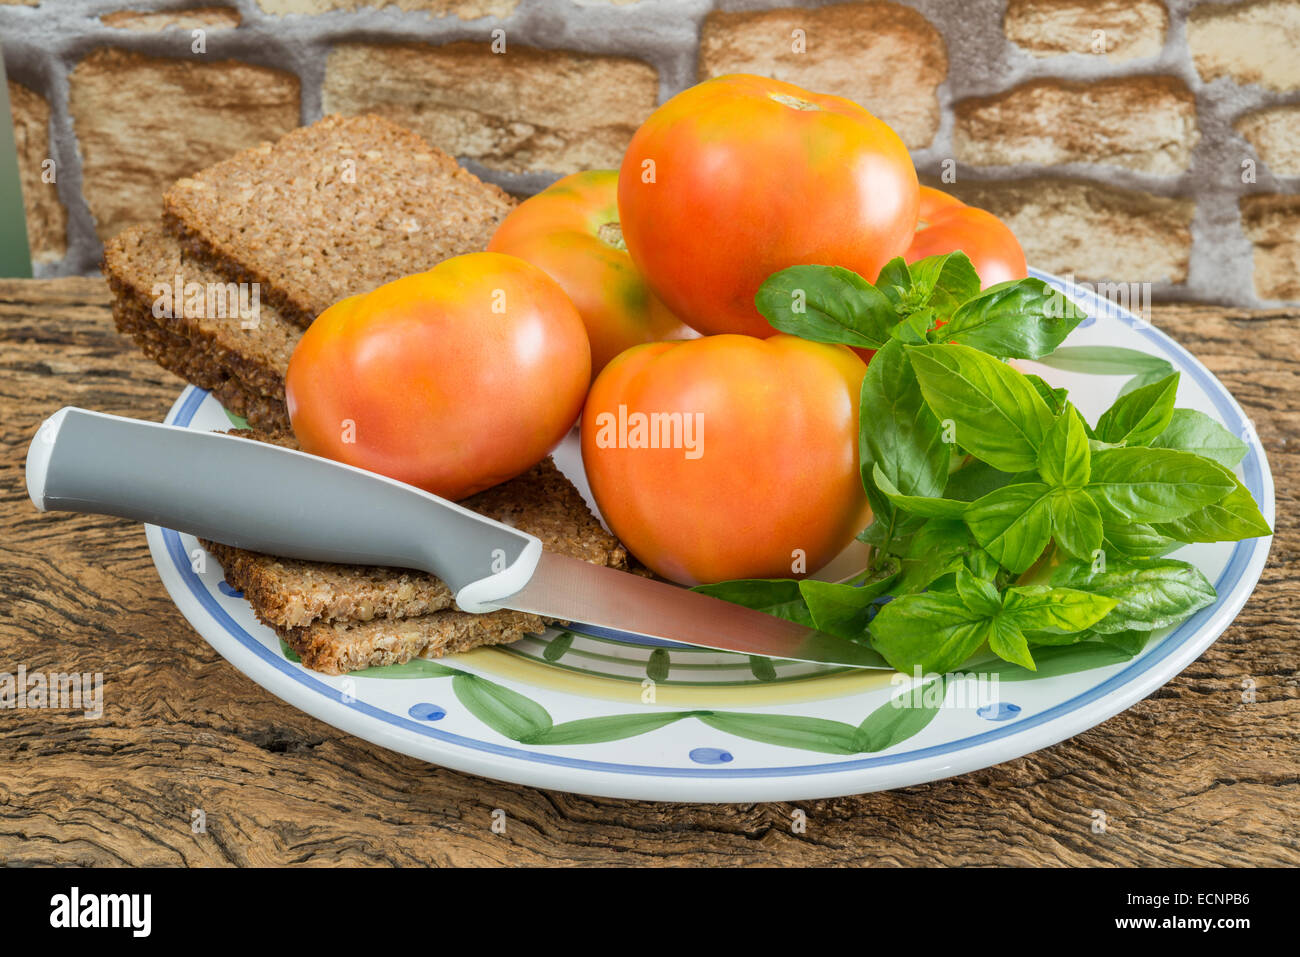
pixel 265 498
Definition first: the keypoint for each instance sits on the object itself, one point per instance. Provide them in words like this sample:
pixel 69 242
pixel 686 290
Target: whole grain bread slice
pixel 341 646
pixel 331 210
pixel 241 359
pixel 340 618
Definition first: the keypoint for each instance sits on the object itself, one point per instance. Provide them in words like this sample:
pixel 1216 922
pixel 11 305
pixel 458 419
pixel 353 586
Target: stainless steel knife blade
pixel 577 591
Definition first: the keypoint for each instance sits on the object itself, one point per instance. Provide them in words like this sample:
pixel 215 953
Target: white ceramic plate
pixel 613 715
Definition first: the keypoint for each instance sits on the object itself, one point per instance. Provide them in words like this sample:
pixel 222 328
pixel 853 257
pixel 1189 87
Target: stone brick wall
pixel 1123 140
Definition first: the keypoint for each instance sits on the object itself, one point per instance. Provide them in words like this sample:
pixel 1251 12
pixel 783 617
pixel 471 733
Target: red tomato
pixel 742 176
pixel 728 456
pixel 454 379
pixel 571 231
pixel 946 225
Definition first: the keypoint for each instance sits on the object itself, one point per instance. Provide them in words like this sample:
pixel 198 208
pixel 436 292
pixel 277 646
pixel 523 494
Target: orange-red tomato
pixel 571 230
pixel 742 176
pixel 728 456
pixel 454 379
pixel 946 224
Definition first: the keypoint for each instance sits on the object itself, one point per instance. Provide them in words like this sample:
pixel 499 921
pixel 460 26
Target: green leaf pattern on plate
pixel 517 717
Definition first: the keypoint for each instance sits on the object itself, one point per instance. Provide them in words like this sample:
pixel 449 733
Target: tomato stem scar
pixel 612 234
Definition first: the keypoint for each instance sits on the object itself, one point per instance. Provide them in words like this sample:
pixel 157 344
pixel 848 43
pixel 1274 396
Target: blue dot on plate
pixel 424 711
pixel 1002 711
pixel 711 756
pixel 224 587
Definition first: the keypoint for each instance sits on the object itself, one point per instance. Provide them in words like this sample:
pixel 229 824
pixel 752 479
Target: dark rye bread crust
pixel 340 618
pixel 243 368
pixel 331 210
pixel 172 352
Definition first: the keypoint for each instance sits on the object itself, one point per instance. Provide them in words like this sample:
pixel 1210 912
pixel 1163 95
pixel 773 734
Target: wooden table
pixel 1192 775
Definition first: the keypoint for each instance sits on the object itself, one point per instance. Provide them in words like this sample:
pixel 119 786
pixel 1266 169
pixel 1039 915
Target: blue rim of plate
pixel 1234 419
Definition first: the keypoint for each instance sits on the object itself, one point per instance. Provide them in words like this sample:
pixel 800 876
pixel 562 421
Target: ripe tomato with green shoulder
pixel 741 176
pixel 571 230
pixel 728 456
pixel 945 224
pixel 454 379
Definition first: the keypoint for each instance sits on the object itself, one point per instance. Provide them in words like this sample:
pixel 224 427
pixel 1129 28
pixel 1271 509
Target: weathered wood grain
pixel 1192 775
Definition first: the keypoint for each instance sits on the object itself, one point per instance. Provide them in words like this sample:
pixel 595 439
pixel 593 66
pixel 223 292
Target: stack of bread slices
pixel 247 253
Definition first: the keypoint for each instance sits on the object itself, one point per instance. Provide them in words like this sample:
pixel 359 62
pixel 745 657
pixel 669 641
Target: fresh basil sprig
pixel 1023 318
pixel 1002 518
pixel 938 630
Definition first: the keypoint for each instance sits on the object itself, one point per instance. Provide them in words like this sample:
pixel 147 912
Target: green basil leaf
pixel 1154 485
pixel 898 431
pixel 1092 436
pixel 827 304
pixel 1149 592
pixel 895 281
pixel 1008 643
pixel 1051 639
pixel 1136 538
pixel 920 574
pixel 877 533
pixel 1014 524
pixel 979 594
pixel 1064 457
pixel 1141 415
pixel 976 479
pixel 1230 519
pixel 981 563
pixel 933 631
pixel 1075 657
pixel 1076 522
pixel 1054 397
pixel 1130 642
pixel 999 416
pixel 1018 319
pixel 775 596
pixel 1192 431
pixel 1096 445
pixel 1106 360
pixel 891 528
pixel 1142 381
pixel 937 549
pixel 843 610
pixel 916 504
pixel 944 282
pixel 1061 611
pixel 912 330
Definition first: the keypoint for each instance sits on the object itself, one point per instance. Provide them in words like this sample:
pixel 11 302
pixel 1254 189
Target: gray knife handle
pixel 253 495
